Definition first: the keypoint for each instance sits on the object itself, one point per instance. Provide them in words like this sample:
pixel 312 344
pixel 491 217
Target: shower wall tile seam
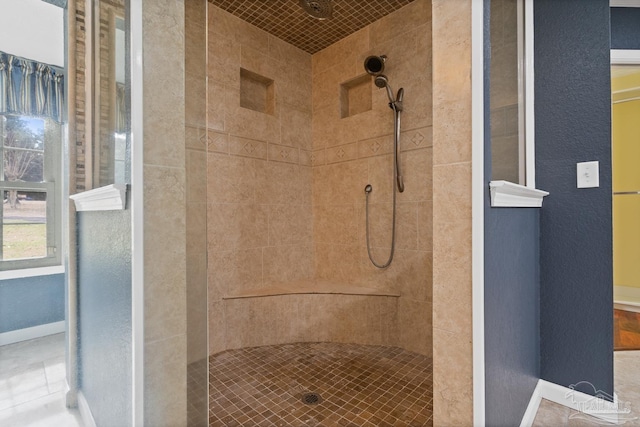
pixel 269 145
pixel 169 337
pixel 465 162
pixel 155 165
pixel 239 136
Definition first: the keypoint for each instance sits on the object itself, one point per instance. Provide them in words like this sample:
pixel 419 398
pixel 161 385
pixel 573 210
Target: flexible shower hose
pixel 396 183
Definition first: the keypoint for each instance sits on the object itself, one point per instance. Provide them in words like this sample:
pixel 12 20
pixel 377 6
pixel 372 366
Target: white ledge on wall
pixel 624 3
pixel 505 194
pixel 108 198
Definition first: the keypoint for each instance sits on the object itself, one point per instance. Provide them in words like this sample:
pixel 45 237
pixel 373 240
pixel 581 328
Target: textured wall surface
pixel 625 22
pixel 512 343
pixel 452 252
pixel 573 124
pixel 31 301
pixel 512 289
pixel 626 178
pixel 165 297
pixel 104 277
pixel 259 219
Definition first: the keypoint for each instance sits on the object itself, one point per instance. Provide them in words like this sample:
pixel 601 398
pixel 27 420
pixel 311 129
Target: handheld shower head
pixel 374 65
pixel 383 82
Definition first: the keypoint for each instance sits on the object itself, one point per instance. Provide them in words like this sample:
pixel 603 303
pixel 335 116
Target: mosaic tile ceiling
pixel 287 20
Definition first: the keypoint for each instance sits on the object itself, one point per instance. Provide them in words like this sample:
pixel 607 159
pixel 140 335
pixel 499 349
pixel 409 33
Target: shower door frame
pixel 137 215
pixel 477 209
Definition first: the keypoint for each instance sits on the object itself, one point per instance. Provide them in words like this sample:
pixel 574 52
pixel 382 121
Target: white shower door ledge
pixel 505 194
pixel 108 198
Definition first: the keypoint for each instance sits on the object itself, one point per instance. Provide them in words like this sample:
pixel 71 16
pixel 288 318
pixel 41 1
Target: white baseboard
pixel 611 412
pixel 534 403
pixel 85 411
pixel 25 334
pixel 627 306
pixel 626 296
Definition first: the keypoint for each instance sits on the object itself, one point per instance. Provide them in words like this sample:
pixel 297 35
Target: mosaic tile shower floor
pixel 360 386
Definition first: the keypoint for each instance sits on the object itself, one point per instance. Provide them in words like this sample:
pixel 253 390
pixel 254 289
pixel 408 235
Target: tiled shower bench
pixel 310 311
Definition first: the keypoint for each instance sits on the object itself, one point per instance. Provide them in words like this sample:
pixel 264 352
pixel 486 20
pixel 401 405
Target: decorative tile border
pixel 247 147
pixel 305 157
pixel 218 142
pixel 416 138
pixel 342 153
pixel 375 146
pixel 195 138
pixel 281 153
pixel 318 157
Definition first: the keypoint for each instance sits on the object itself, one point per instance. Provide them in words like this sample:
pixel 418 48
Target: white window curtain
pixel 31 88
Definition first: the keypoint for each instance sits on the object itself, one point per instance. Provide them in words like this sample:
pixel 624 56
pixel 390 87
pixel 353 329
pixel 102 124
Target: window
pixel 511 106
pixel 29 182
pixel 511 92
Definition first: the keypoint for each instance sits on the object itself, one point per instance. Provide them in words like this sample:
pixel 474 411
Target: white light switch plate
pixel 588 175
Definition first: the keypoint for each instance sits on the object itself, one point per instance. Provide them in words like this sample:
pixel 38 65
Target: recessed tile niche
pixel 257 92
pixel 355 96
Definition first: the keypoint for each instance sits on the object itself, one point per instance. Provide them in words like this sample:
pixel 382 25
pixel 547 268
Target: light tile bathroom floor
pixel 627 387
pixel 357 386
pixel 32 384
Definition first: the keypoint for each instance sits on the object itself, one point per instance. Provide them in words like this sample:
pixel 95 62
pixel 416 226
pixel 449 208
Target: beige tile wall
pixel 259 215
pixel 285 190
pixel 350 152
pixel 452 321
pixel 196 210
pixel 196 178
pixel 165 347
pixel 281 319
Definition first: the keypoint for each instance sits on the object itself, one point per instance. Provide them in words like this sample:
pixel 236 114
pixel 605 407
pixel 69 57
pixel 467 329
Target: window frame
pixel 524 193
pixel 52 176
pixel 526 88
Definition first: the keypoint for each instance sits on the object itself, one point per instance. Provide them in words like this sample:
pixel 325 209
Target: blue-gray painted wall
pixel 573 124
pixel 625 28
pixel 512 343
pixel 104 292
pixel 512 347
pixel 31 301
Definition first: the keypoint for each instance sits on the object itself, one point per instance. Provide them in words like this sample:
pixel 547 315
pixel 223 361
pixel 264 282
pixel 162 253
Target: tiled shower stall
pixel 280 143
pixel 292 140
